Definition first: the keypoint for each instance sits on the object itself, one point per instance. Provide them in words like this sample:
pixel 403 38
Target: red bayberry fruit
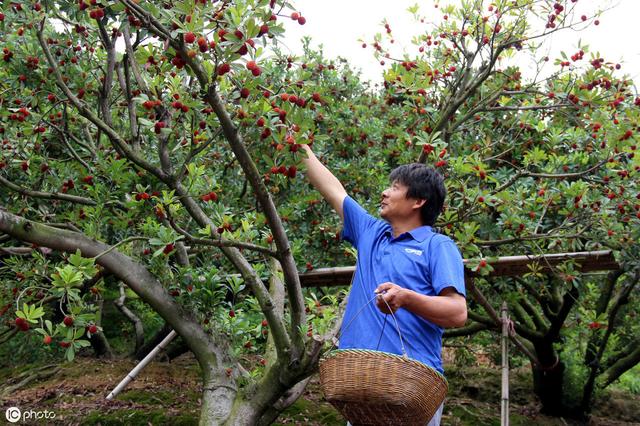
pixel 92 329
pixel 223 69
pixel 68 321
pixel 22 324
pixel 159 126
pixel 189 37
pixel 46 340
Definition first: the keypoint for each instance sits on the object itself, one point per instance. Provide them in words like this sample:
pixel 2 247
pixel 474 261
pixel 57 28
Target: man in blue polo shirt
pixel 410 270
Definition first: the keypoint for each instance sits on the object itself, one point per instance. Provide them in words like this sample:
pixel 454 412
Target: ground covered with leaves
pixel 168 394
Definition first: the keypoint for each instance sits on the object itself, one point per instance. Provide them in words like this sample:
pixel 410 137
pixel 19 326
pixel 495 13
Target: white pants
pixel 435 420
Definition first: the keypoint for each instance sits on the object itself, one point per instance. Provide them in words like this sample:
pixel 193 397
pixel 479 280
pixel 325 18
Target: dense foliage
pixel 157 146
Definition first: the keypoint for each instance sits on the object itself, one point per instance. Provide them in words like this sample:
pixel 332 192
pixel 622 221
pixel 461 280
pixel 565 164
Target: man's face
pixel 395 205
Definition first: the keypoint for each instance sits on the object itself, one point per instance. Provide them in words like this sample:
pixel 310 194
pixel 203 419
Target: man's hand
pixel 448 309
pixel 390 297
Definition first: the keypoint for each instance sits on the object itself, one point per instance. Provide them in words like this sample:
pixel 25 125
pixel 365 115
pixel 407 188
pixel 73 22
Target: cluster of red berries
pixel 180 106
pixel 296 16
pixel 67 185
pixel 254 68
pixel 142 196
pixel 289 172
pixel 211 196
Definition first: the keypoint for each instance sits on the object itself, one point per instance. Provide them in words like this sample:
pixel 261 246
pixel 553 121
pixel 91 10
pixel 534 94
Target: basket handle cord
pixel 404 351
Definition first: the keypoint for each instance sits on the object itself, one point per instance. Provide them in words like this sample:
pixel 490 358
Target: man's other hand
pixel 390 297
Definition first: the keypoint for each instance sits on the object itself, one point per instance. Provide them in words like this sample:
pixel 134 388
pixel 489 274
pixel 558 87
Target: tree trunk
pixel 218 396
pixel 548 383
pixel 99 341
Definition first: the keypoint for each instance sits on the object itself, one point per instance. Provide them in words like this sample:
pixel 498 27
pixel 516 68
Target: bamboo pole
pixel 133 373
pixel 504 408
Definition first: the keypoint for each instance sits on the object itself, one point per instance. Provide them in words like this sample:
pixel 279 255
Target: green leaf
pixel 70 353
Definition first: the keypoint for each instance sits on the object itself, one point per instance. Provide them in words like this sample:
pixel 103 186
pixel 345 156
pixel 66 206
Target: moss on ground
pixel 169 394
pixel 137 417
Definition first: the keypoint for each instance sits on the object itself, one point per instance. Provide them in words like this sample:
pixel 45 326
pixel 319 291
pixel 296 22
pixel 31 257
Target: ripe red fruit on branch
pixel 212 196
pixel 68 321
pixel 159 126
pixel 189 37
pixel 251 65
pixel 232 313
pixel 46 340
pixel 302 20
pixel 168 248
pixel 224 68
pixel 22 324
pixel 65 344
pixel 92 329
pixel 295 16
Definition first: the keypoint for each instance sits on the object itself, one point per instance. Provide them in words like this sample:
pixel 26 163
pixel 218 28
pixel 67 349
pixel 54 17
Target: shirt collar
pixel 419 234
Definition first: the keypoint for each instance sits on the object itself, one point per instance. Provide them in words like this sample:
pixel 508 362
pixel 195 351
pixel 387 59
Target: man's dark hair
pixel 423 183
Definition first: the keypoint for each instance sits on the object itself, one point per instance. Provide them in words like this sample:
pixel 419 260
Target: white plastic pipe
pixel 133 373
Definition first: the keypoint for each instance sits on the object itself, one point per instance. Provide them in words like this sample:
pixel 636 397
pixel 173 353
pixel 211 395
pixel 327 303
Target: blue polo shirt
pixel 421 260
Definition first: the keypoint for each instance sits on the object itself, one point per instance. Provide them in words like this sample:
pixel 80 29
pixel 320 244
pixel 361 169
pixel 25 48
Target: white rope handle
pixel 404 351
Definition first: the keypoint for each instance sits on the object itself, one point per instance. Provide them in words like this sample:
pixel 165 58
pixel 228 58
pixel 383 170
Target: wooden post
pixel 504 408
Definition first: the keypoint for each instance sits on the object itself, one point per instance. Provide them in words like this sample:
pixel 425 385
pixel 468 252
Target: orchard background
pixel 151 160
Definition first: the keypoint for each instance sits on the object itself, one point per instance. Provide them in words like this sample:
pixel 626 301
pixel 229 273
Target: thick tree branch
pixel 467 330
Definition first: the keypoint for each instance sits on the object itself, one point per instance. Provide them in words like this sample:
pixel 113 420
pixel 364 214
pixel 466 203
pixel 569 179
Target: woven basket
pixel 377 388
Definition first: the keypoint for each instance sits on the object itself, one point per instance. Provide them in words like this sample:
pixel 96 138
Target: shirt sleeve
pixel 356 221
pixel 447 269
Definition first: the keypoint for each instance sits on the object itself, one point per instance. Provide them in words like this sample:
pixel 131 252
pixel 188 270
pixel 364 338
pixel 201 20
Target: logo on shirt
pixel 414 251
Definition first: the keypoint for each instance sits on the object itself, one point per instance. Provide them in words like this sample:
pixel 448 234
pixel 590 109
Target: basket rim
pixel 336 352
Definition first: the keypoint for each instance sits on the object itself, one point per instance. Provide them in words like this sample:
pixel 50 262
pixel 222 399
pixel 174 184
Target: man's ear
pixel 419 203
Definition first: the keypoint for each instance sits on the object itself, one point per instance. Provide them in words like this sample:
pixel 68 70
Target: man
pixel 416 273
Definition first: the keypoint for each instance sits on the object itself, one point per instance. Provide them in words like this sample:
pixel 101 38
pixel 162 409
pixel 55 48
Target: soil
pixel 169 394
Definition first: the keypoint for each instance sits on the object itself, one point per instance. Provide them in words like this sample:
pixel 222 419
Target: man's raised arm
pixel 324 181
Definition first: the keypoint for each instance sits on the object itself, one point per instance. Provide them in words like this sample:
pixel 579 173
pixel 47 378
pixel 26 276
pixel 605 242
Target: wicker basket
pixel 377 388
